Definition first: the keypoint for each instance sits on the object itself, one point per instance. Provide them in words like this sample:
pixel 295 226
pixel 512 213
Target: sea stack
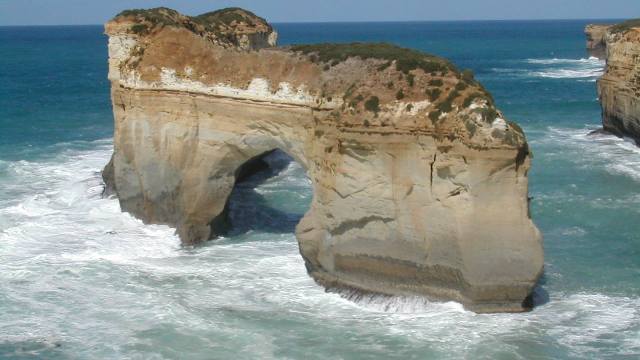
pixel 619 87
pixel 596 42
pixel 420 183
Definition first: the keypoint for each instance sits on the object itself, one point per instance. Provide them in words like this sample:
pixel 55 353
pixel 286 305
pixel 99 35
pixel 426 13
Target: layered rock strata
pixel 619 87
pixel 420 183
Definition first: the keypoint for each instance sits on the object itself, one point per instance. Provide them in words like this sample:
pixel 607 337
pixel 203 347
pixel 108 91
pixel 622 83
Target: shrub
pixel 139 29
pixel 471 128
pixel 411 79
pixel 400 95
pixel 434 115
pixel 447 104
pixel 435 82
pixel 486 94
pixel 460 86
pixel 488 114
pixel 467 75
pixel 409 107
pixel 354 102
pixel 471 98
pixel 349 92
pixel 433 94
pixel 372 104
pixel 382 67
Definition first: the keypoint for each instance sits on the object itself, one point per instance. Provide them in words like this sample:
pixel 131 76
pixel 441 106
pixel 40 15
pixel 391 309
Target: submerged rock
pixel 619 87
pixel 420 184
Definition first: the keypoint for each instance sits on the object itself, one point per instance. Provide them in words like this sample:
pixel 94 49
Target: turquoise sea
pixel 81 280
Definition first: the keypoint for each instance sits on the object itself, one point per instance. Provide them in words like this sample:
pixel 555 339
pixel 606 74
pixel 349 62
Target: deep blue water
pixel 78 279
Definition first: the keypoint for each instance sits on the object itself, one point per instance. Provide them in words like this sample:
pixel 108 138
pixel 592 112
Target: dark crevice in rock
pixel 523 153
pixel 108 176
pixel 358 224
pixel 431 174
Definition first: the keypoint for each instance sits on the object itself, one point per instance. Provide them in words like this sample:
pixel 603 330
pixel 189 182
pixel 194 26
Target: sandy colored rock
pixel 619 87
pixel 596 42
pixel 419 183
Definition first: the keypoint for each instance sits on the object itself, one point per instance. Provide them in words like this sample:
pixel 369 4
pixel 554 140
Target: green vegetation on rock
pixel 406 59
pixel 434 115
pixel 460 86
pixel 488 114
pixel 447 104
pixel 211 21
pixel 372 104
pixel 411 79
pixel 624 26
pixel 225 17
pixel 433 94
pixel 161 16
pixel 156 16
pixel 467 75
pixel 471 98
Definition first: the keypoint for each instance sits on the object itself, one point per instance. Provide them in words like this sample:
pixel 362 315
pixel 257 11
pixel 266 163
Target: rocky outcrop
pixel 420 183
pixel 619 87
pixel 596 44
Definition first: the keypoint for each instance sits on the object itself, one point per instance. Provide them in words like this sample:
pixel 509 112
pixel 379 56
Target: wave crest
pixel 585 69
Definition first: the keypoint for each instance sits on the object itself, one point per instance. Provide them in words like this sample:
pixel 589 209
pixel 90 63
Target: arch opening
pixel 271 194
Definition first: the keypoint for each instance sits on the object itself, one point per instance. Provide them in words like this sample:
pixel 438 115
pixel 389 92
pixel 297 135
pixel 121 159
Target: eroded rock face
pixel 596 42
pixel 420 184
pixel 619 87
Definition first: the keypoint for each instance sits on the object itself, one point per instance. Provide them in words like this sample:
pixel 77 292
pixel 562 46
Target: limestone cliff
pixel 420 184
pixel 596 44
pixel 619 87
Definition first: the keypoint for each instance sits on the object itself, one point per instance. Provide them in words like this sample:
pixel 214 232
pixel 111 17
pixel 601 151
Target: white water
pixel 80 279
pixel 619 156
pixel 588 69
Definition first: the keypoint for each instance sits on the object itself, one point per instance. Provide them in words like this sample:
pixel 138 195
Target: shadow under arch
pixel 271 194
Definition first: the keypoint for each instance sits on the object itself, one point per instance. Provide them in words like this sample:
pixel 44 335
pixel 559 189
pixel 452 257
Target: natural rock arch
pixel 250 209
pixel 420 185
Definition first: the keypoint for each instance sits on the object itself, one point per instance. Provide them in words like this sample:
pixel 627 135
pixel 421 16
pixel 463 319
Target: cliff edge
pixel 619 87
pixel 420 183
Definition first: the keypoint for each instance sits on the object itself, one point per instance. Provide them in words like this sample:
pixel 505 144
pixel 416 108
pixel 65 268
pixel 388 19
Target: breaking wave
pixel 68 255
pixel 590 61
pixel 586 69
pixel 594 148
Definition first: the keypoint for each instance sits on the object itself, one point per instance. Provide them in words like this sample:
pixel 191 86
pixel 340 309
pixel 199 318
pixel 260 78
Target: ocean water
pixel 81 280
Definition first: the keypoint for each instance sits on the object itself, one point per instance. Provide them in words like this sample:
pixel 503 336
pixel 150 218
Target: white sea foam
pixel 77 272
pixel 619 156
pixel 586 69
pixel 588 72
pixel 591 60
